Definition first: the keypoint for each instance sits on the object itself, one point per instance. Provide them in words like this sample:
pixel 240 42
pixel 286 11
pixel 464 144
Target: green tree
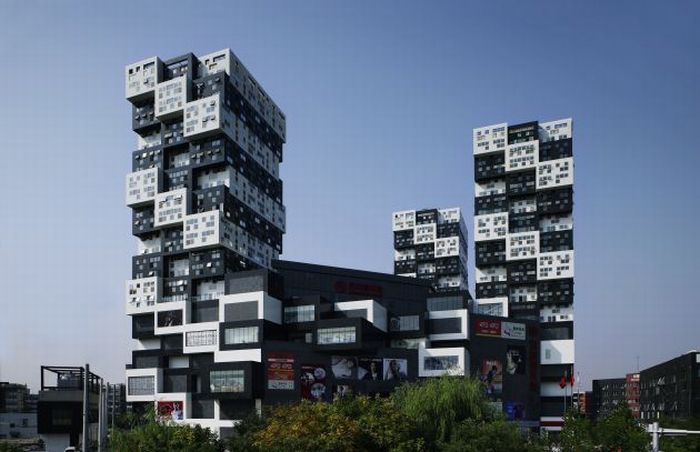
pixel 490 436
pixel 620 431
pixel 6 446
pixel 577 433
pixel 690 443
pixel 348 424
pixel 438 406
pixel 150 435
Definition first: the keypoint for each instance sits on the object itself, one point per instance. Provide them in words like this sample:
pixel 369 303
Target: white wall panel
pixel 555 173
pixel 557 352
pixel 521 156
pixel 555 265
pixel 490 139
pixel 141 77
pixel 523 245
pixel 490 226
pixel 171 207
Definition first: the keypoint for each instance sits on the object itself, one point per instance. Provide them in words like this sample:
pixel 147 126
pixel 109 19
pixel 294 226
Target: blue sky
pixel 380 99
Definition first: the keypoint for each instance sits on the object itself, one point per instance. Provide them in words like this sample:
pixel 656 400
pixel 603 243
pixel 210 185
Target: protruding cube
pixel 142 77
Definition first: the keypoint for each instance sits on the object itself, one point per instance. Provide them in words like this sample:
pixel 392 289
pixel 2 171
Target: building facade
pixel 607 395
pixel 304 331
pixel 60 406
pixel 15 398
pixel 431 245
pixel 632 392
pixel 206 201
pixel 523 232
pixel 671 389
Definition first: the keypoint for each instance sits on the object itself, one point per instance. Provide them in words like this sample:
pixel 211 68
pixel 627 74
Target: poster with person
pixel 170 411
pixel 369 369
pixel 515 360
pixel 313 382
pixel 341 391
pixel 492 376
pixel 395 369
pixel 344 367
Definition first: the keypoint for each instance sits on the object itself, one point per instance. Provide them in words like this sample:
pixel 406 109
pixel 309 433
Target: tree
pixel 6 446
pixel 348 424
pixel 152 435
pixel 577 433
pixel 439 405
pixel 690 443
pixel 620 431
pixel 490 436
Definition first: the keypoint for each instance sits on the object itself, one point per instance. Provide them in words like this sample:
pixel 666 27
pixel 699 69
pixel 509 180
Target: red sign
pixel 280 371
pixel 488 328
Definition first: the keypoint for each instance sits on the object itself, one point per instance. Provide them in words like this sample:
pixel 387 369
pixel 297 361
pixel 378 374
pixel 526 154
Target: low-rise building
pixel 305 331
pixel 607 395
pixel 671 389
pixel 60 406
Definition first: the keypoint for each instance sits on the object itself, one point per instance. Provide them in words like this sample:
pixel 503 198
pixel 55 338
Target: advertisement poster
pixel 515 361
pixel 369 369
pixel 280 371
pixel 313 382
pixel 491 328
pixel 344 367
pixel 510 330
pixel 341 391
pixel 171 411
pixel 492 376
pixel 395 369
pixel 169 318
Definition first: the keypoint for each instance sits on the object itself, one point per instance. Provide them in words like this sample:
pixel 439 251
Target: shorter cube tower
pixel 431 244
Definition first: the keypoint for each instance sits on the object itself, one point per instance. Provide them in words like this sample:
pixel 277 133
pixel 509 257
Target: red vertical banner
pixel 280 371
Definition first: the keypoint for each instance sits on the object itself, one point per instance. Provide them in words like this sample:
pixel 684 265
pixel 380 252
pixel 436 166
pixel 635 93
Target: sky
pixel 380 98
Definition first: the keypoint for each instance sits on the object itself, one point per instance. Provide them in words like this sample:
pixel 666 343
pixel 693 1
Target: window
pixel 227 380
pixel 242 335
pixel 344 335
pixel 296 314
pixel 445 303
pixel 200 338
pixel 440 362
pixel 141 385
pixel 405 323
pixel 61 416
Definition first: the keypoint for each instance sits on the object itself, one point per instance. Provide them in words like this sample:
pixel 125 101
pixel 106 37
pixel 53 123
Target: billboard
pixel 497 328
pixel 515 360
pixel 313 382
pixel 344 367
pixel 395 369
pixel 492 376
pixel 170 411
pixel 280 371
pixel 370 369
pixel 510 330
pixel 490 328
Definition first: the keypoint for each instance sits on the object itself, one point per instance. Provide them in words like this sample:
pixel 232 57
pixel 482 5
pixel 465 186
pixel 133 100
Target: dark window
pixel 235 312
pixel 443 326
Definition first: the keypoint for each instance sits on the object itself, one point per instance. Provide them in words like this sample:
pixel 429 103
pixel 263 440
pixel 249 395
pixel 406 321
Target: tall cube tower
pixel 207 201
pixel 431 244
pixel 523 230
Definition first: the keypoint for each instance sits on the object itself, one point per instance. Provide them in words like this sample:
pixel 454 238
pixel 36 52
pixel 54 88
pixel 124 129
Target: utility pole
pixel 86 407
pixel 100 415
